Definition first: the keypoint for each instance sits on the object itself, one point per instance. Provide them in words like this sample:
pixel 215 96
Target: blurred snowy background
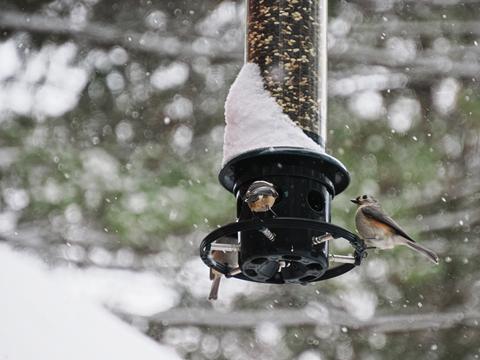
pixel 111 130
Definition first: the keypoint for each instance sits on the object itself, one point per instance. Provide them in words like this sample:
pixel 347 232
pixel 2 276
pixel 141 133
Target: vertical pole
pixel 287 39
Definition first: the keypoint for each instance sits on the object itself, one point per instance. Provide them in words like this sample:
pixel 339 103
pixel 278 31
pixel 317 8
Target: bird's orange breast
pixel 381 226
pixel 264 203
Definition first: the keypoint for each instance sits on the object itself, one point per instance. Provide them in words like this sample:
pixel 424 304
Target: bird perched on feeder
pixel 215 276
pixel 261 196
pixel 379 230
pixel 228 258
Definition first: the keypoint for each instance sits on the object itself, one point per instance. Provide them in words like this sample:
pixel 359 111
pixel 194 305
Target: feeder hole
pixel 316 200
pixel 316 267
pixel 251 273
pixel 258 261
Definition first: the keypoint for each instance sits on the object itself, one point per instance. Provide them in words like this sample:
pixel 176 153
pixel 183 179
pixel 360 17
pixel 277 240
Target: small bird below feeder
pixel 228 257
pixel 380 231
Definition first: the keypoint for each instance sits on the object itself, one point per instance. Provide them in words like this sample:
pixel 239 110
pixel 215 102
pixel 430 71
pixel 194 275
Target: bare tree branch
pixel 307 317
pixel 441 60
pixel 167 46
pixel 420 72
pixel 450 220
pixel 442 3
pixel 426 28
pixel 427 64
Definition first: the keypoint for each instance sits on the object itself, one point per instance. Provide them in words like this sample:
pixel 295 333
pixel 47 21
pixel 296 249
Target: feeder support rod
pixel 287 39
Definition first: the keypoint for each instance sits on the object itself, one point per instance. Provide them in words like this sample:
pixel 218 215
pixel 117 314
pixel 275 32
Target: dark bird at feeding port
pixel 380 231
pixel 261 196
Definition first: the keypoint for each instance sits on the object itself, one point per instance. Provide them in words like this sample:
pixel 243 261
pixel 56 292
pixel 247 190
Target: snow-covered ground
pixel 44 318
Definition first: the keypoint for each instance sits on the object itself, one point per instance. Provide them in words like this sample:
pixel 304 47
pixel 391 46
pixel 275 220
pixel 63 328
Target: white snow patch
pixel 42 319
pixel 41 84
pixel 269 333
pixel 255 120
pixel 118 55
pixel 16 199
pixel 179 108
pixel 310 355
pixel 10 60
pixel 176 74
pixel 35 67
pixel 124 131
pixel 339 27
pixel 8 222
pixel 100 168
pixel 115 81
pixel 20 98
pixel 377 340
pixel 360 304
pixel 367 105
pixel 54 101
pixel 227 12
pixel 138 293
pixel 402 50
pixel 445 95
pixel 402 113
pixel 182 139
pixel 318 312
pixel 378 79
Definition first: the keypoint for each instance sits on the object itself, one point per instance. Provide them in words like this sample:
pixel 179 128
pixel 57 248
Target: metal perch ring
pixel 285 223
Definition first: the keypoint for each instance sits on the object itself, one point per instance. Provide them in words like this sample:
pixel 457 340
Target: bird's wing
pixel 251 198
pixel 377 215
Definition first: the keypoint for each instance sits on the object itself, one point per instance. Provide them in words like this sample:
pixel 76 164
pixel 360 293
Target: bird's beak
pixel 355 201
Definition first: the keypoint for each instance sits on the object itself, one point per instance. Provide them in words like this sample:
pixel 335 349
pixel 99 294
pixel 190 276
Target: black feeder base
pixel 306 182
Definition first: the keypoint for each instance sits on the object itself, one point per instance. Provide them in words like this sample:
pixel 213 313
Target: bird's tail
pixel 422 250
pixel 214 290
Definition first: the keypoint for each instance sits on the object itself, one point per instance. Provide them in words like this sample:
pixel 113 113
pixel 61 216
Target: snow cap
pixel 254 120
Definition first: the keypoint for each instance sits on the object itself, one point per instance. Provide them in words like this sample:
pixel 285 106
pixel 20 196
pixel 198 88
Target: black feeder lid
pixel 249 166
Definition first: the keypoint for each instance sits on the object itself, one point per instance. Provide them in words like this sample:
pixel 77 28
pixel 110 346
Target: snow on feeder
pixel 274 153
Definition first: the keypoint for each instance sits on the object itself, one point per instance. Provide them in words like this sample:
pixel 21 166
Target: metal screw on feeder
pixel 275 146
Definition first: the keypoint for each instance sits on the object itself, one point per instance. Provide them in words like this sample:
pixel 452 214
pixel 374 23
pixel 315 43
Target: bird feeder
pixel 286 39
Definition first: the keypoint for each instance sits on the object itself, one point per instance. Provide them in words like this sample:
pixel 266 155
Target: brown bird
pixel 379 230
pixel 261 196
pixel 215 276
pixel 229 258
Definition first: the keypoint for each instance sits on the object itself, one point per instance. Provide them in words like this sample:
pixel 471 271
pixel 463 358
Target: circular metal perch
pixel 282 266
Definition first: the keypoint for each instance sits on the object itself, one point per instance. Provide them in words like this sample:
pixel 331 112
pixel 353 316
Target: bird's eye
pixel 364 197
